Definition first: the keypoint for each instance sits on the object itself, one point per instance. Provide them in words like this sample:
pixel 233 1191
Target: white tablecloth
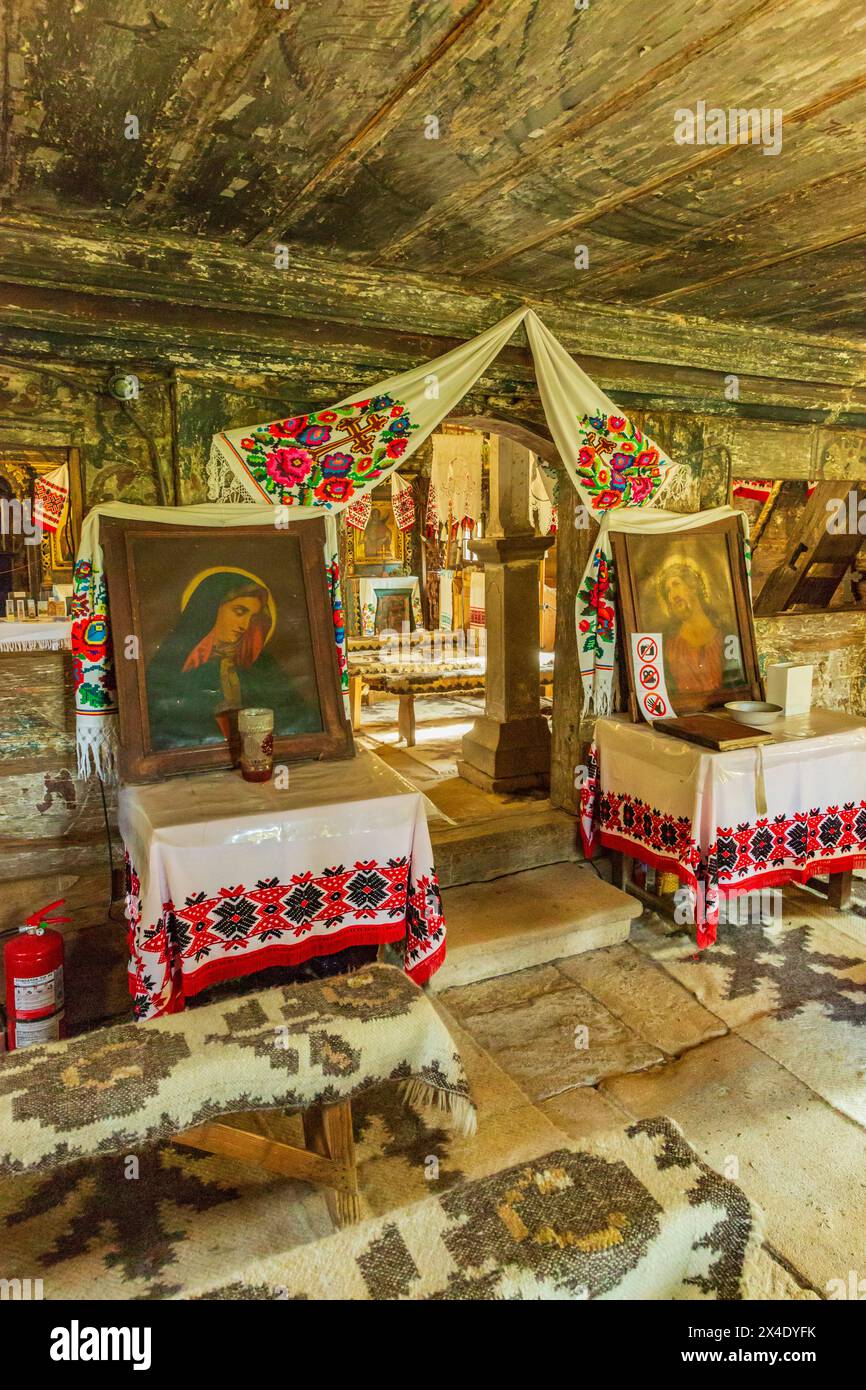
pixel 735 821
pixel 41 635
pixel 228 877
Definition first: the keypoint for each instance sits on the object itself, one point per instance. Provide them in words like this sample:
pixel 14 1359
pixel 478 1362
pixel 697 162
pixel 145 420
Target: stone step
pixel 530 918
pixel 510 843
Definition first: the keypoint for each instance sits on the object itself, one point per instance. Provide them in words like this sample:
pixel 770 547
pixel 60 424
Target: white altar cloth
pixel 735 821
pixel 228 877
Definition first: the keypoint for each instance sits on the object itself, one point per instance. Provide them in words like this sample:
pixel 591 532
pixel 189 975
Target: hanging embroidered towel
pixel 50 498
pixel 403 502
pixel 610 461
pixel 358 512
pixel 432 521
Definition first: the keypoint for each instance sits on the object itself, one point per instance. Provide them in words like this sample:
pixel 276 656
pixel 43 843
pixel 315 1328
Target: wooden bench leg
pixel 328 1159
pixel 839 890
pixel 328 1131
pixel 355 689
pixel 406 719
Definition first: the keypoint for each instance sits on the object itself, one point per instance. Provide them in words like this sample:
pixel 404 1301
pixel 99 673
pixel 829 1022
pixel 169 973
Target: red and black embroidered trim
pixel 240 930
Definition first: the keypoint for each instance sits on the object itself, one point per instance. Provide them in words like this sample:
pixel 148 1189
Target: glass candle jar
pixel 256 730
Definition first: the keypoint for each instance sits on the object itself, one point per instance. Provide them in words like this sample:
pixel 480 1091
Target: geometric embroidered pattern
pixel 285 923
pixel 764 853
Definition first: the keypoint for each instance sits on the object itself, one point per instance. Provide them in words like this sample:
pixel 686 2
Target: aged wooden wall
pixel 219 339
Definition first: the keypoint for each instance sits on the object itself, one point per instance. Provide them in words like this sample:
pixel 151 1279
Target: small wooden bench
pixel 407 687
pixel 260 1138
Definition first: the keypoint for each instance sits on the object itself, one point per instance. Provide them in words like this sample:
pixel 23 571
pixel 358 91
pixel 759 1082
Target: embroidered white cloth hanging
pixel 358 512
pixel 403 502
pixel 446 600
pixel 456 477
pixel 50 498
pixel 325 458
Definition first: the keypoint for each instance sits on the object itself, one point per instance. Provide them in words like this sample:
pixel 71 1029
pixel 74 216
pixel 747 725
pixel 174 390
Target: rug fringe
pixel 460 1108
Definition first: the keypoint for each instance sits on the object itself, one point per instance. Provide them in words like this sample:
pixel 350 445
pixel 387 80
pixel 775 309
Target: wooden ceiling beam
pixel 200 99
pixel 376 126
pixel 511 172
pixel 683 172
pixel 757 266
pixel 184 270
pixel 719 230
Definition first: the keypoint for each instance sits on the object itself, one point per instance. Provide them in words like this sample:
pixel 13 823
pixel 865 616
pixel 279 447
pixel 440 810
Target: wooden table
pixel 469 679
pixel 730 822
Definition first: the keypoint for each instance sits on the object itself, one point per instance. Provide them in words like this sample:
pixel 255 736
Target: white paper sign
pixel 653 699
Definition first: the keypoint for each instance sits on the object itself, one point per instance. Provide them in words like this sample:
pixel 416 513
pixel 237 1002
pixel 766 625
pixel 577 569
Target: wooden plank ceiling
pixel 308 125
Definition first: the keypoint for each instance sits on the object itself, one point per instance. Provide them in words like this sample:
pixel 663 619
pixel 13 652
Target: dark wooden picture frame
pixel 140 760
pixel 631 617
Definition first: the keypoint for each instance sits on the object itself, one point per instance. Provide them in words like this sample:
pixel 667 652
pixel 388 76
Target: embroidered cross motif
pixel 359 436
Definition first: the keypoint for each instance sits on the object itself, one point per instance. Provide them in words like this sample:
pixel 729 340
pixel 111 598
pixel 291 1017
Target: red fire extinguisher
pixel 33 964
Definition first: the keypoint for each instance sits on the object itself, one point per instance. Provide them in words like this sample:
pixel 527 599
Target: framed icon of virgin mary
pixel 208 621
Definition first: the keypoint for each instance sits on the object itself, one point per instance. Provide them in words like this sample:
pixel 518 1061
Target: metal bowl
pixel 753 711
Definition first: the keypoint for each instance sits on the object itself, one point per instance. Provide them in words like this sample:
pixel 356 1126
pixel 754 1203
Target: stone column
pixel 508 749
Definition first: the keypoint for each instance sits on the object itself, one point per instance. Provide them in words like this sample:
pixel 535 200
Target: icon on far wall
pixel 393 610
pixel 381 545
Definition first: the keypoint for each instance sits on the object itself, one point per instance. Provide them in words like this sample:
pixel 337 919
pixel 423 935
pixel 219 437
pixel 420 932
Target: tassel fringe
pixel 37 644
pixel 464 1120
pixel 98 749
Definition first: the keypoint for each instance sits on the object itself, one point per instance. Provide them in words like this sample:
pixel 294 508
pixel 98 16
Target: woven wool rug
pixel 171 1223
pixel 635 1215
pixel 805 957
pixel 550 1217
pixel 283 1048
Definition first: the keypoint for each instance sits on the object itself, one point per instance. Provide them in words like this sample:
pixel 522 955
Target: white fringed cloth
pixel 228 877
pixel 456 477
pixel 36 637
pixel 290 1048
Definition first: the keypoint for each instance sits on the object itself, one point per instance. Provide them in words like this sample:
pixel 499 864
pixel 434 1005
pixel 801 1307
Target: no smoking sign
pixel 651 693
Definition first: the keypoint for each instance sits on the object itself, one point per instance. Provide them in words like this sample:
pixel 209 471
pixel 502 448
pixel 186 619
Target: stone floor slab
pixel 584 1113
pixel 557 1036
pixel 645 997
pixel 799 1160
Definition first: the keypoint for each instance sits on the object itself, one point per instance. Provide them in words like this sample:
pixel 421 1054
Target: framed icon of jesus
pixel 690 586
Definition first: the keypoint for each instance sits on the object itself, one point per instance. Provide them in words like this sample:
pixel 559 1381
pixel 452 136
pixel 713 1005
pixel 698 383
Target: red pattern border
pixel 766 853
pixel 237 931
